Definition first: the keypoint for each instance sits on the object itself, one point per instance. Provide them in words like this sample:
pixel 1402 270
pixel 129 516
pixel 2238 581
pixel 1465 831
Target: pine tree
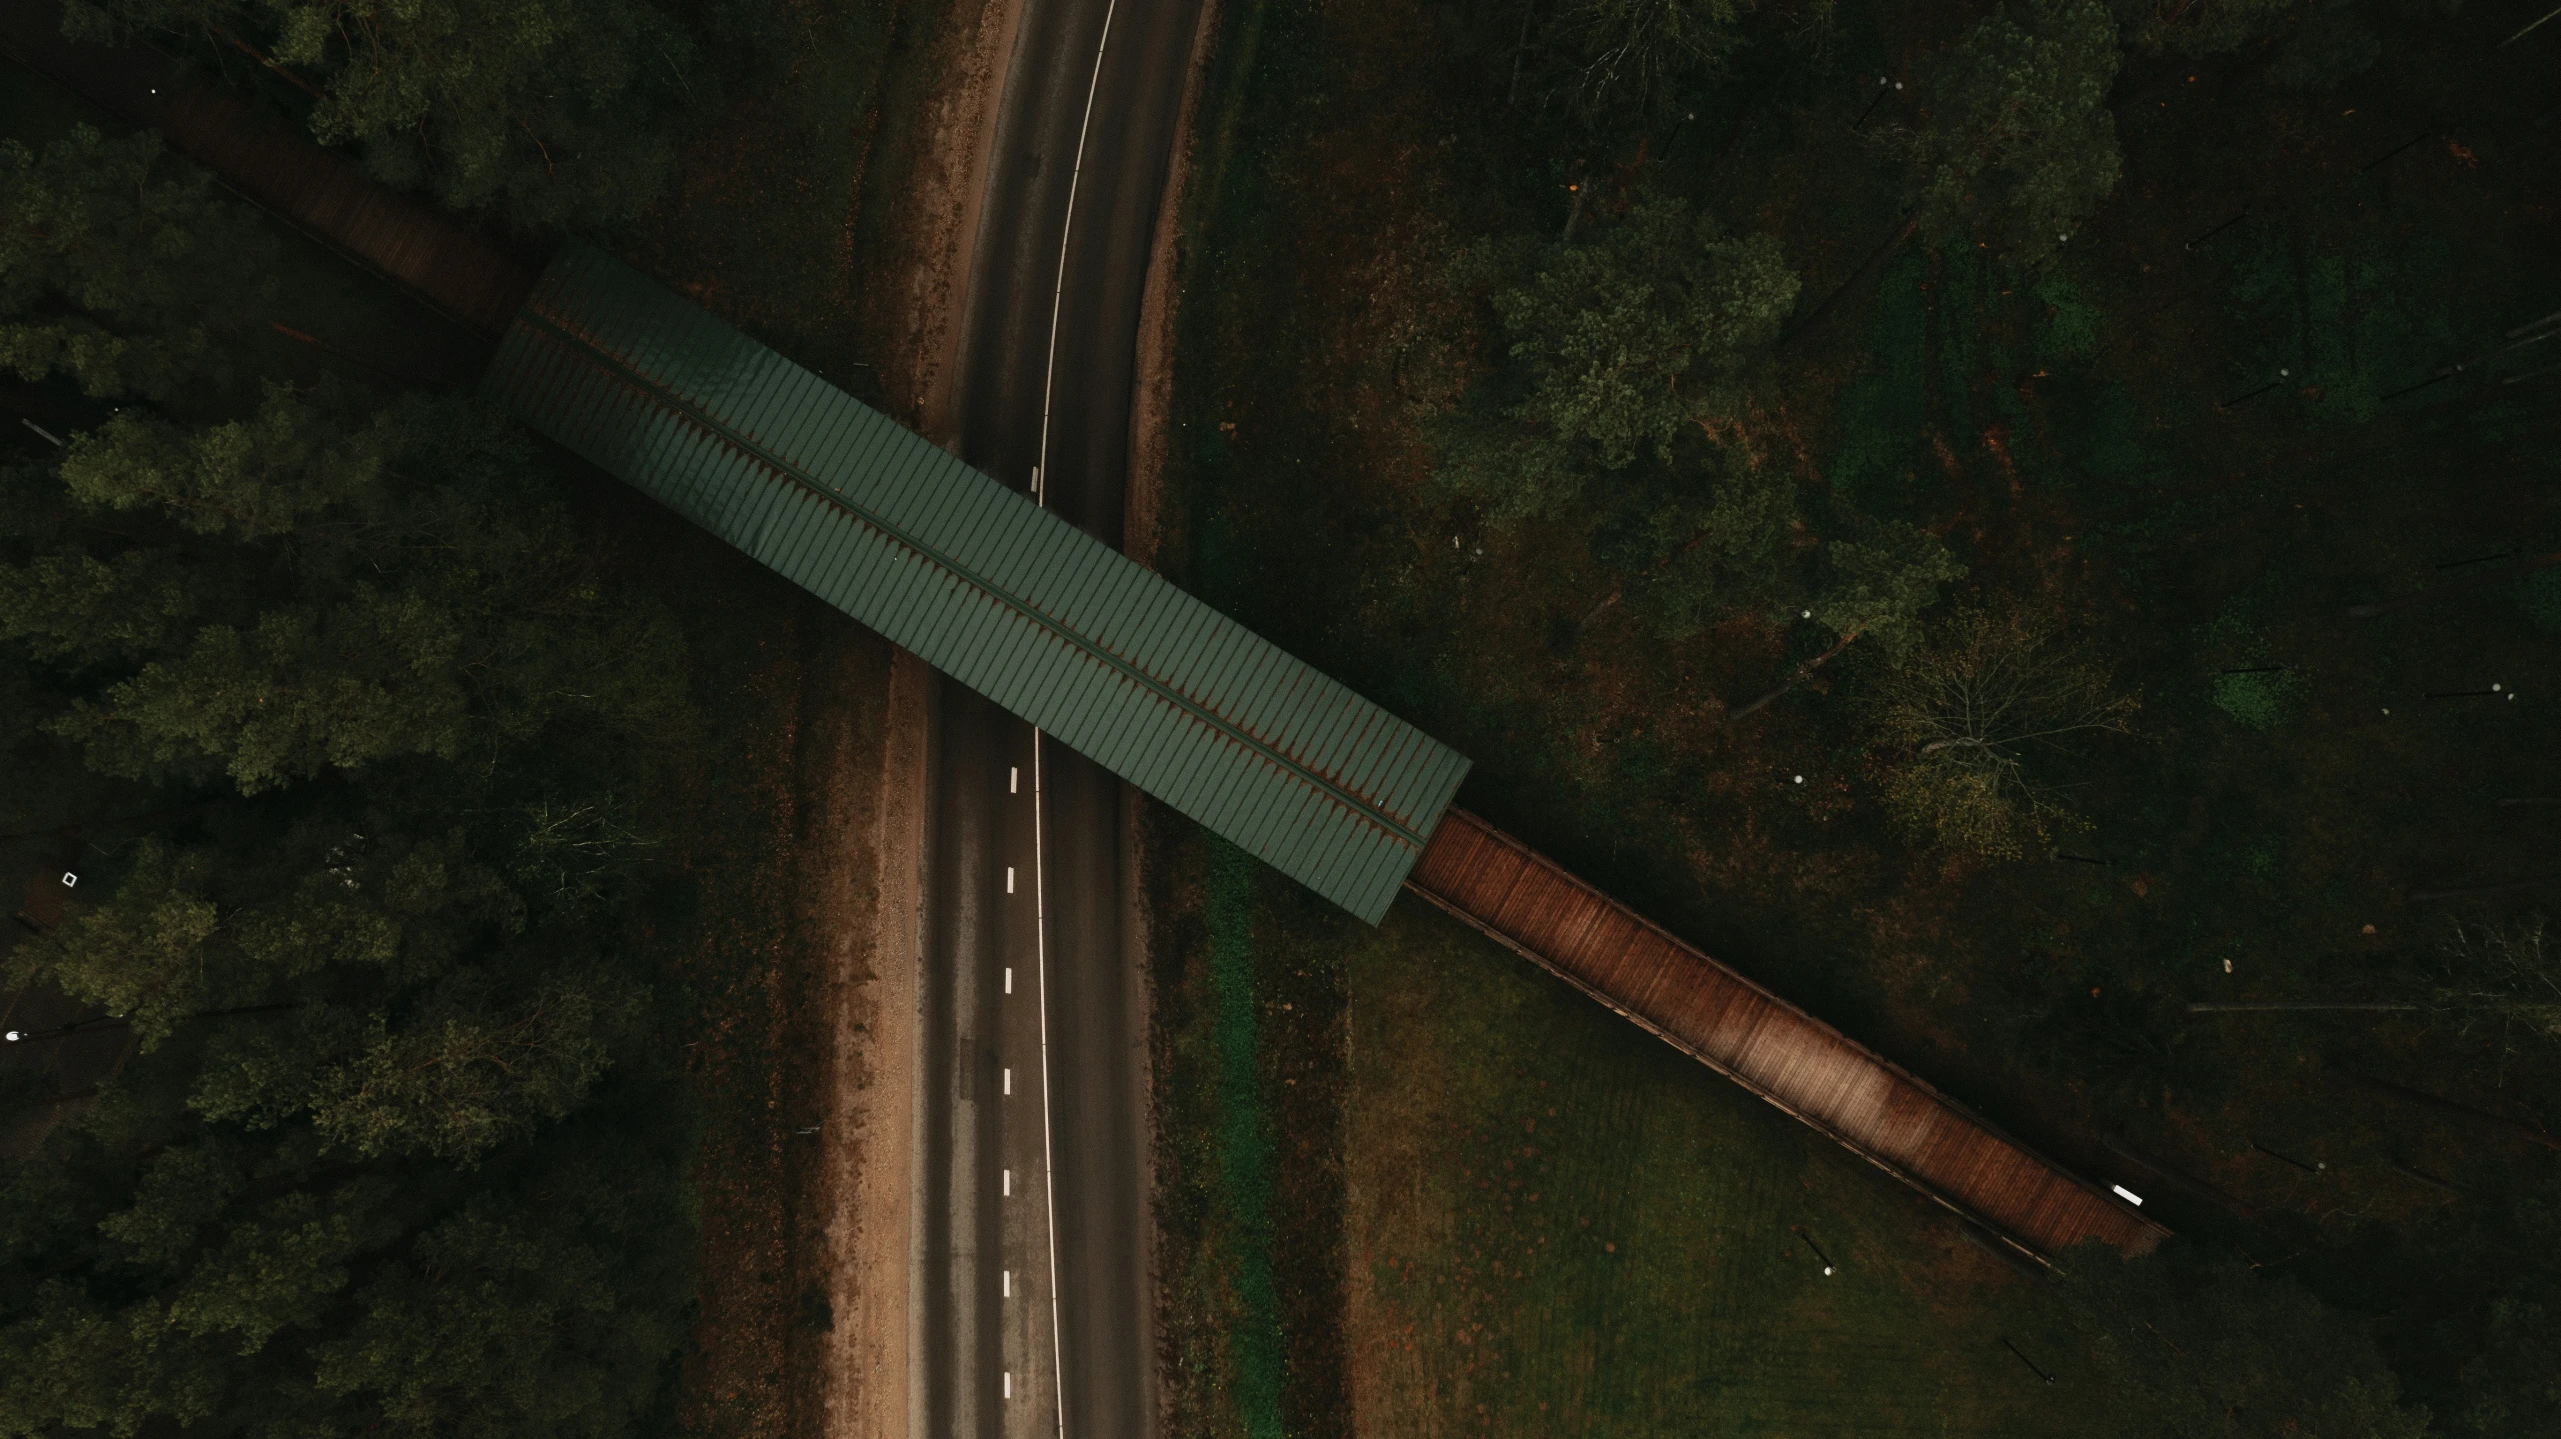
pixel 557 111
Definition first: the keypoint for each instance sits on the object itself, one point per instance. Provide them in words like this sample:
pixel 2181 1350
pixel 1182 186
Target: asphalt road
pixel 1035 1313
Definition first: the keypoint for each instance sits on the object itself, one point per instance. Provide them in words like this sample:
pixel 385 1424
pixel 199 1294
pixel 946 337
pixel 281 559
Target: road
pixel 1035 1313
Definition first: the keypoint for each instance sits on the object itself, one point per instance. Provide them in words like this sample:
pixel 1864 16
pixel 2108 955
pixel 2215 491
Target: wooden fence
pixel 1779 1052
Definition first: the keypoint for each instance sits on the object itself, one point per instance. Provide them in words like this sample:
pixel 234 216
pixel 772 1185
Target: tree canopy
pixel 393 1152
pixel 2019 147
pixel 1617 56
pixel 1615 345
pixel 123 268
pixel 1698 539
pixel 1964 711
pixel 556 111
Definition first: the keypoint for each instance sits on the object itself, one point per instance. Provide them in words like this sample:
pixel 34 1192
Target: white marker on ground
pixel 1009 979
pixel 1009 879
pixel 1009 1184
pixel 1013 779
pixel 1008 1283
pixel 1009 1081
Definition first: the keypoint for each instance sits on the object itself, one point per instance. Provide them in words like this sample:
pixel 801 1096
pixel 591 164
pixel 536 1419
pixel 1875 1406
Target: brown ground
pixel 1151 397
pixel 866 1170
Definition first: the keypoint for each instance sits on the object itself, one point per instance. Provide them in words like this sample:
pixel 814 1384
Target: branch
pixel 1875 266
pixel 253 53
pixel 2459 587
pixel 1803 673
pixel 2430 1101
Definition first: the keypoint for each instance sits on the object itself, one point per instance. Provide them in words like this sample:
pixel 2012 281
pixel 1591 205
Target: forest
pixel 367 757
pixel 2026 528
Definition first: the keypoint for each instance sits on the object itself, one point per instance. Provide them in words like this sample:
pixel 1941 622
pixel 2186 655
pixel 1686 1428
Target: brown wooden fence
pixel 1779 1052
pixel 324 194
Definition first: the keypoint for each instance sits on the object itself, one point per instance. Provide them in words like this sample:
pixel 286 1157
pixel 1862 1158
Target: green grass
pixel 1244 1140
pixel 1558 1224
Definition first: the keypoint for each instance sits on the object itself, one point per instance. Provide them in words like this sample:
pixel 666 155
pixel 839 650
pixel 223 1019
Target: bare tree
pixel 1968 708
pixel 2499 975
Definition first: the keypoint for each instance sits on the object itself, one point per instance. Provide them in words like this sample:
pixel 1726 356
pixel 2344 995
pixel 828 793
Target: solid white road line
pixel 1009 1184
pixel 1040 898
pixel 1009 979
pixel 1009 1081
pixel 1009 879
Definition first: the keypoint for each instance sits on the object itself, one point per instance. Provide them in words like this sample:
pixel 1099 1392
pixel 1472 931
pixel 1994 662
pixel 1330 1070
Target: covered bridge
pixel 1065 631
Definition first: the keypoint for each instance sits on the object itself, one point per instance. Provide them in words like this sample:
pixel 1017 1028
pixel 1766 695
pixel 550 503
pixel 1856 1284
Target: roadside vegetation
pixel 2023 527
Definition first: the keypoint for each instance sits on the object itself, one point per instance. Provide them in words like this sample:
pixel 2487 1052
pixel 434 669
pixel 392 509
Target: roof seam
pixel 1373 812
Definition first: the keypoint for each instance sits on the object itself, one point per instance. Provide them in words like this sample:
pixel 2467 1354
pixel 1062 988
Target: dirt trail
pixel 867 1178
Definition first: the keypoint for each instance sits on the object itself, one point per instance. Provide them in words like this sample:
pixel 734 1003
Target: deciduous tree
pixel 1618 55
pixel 1964 712
pixel 1874 582
pixel 1688 542
pixel 1614 345
pixel 123 267
pixel 2019 147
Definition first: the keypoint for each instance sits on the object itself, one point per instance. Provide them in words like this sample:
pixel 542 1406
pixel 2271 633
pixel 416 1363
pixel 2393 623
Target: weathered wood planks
pixel 1795 1061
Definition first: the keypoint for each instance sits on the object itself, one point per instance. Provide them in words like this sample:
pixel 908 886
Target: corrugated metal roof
pixel 1054 625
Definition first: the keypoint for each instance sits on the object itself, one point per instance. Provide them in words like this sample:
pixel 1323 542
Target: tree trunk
pixel 1867 272
pixel 2459 587
pixel 1803 673
pixel 1518 50
pixel 2429 1101
pixel 2290 1006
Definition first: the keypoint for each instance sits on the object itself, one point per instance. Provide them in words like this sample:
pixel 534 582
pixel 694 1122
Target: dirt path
pixel 868 1176
pixel 1151 401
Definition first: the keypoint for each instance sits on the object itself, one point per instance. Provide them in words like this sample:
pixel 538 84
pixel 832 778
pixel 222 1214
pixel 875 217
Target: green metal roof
pixel 1097 650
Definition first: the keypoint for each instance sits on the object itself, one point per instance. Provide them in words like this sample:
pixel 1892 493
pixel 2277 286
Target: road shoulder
pixel 930 307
